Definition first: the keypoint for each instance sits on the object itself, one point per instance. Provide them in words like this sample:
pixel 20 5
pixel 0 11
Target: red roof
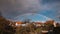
pixel 19 22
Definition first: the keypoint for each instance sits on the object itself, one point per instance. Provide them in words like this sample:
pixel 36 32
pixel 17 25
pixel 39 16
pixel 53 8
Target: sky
pixel 13 8
pixel 33 17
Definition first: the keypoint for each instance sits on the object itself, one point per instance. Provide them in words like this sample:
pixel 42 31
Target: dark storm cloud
pixel 13 8
pixel 0 13
pixel 50 1
pixel 7 7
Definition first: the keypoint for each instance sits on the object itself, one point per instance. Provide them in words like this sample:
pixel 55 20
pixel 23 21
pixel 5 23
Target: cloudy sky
pixel 12 8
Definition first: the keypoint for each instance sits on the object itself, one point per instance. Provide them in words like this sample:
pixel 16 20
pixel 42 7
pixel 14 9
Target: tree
pixel 4 26
pixel 49 24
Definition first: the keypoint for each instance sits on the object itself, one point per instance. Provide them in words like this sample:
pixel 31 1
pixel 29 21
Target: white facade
pixel 54 24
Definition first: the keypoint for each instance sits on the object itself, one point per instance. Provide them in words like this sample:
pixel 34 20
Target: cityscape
pixel 27 27
pixel 29 16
